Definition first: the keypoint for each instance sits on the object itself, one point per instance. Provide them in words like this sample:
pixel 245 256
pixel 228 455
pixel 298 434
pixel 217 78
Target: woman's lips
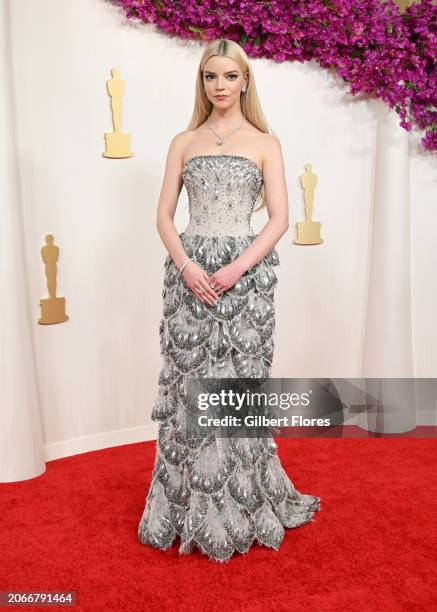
pixel 220 97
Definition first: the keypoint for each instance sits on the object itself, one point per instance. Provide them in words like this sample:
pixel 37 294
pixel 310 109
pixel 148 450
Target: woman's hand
pixel 196 278
pixel 225 278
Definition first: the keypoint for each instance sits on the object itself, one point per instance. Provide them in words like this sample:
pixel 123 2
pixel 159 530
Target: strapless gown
pixel 222 495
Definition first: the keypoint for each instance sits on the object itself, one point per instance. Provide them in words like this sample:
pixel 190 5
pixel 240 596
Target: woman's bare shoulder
pixel 268 139
pixel 268 145
pixel 184 138
pixel 264 139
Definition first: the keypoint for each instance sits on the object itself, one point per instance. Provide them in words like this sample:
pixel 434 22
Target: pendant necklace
pixel 221 139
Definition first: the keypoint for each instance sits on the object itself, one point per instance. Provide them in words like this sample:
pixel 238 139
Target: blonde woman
pixel 219 495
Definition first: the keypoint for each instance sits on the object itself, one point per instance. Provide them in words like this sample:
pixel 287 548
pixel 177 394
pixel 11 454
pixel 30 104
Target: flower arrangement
pixel 380 51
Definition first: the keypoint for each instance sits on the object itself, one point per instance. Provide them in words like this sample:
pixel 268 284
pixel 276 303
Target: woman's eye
pixel 232 76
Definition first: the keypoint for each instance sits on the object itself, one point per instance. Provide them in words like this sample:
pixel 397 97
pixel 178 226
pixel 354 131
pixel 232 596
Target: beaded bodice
pixel 222 191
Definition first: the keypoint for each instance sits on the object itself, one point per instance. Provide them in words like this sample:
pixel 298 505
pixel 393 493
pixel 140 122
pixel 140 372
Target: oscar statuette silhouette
pixel 52 308
pixel 117 143
pixel 308 231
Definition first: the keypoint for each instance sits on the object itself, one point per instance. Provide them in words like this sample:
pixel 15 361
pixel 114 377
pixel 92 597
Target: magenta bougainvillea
pixel 378 50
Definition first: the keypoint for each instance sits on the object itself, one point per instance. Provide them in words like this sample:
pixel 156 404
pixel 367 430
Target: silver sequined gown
pixel 225 494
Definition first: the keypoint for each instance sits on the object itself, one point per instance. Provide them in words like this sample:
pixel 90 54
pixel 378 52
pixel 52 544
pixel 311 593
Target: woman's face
pixel 222 77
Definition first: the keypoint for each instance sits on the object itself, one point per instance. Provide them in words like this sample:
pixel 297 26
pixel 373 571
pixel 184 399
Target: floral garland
pixel 370 44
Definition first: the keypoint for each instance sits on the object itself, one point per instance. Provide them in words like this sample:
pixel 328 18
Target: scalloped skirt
pixel 217 494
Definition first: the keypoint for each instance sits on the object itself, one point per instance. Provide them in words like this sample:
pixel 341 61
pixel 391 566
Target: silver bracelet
pixel 188 261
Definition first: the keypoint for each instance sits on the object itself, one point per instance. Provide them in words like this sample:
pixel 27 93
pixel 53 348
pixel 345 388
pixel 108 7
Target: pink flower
pixel 374 47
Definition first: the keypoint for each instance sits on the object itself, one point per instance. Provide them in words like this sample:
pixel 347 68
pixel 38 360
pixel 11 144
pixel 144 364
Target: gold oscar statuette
pixel 117 143
pixel 52 308
pixel 308 231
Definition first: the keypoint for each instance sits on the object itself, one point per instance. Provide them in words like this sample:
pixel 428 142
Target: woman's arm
pixel 168 199
pixel 195 277
pixel 277 207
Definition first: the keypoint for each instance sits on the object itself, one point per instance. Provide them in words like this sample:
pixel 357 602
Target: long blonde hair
pixel 250 104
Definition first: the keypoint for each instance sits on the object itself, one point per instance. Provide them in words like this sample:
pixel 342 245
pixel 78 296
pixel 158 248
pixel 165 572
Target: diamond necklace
pixel 221 139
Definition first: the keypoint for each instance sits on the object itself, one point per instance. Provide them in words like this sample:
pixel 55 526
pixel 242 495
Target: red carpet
pixel 372 546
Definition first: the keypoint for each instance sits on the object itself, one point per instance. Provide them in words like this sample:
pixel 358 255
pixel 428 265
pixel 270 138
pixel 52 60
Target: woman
pixel 219 319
